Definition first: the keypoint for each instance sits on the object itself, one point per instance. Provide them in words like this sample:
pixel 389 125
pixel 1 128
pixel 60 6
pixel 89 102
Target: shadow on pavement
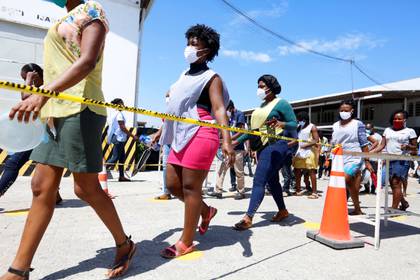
pixel 72 203
pixel 262 260
pixel 1 209
pixel 147 258
pixel 221 236
pixel 393 229
pixel 216 236
pixel 290 221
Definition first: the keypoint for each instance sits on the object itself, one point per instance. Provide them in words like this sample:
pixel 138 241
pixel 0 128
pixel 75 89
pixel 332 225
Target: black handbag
pixel 255 143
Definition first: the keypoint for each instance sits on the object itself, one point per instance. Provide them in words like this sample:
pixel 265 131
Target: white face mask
pixel 302 123
pixel 229 114
pixel 190 54
pixel 345 115
pixel 167 100
pixel 261 93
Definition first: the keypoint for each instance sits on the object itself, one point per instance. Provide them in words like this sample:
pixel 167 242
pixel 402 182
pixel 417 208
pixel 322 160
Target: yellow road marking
pixel 14 213
pixel 191 256
pixel 311 225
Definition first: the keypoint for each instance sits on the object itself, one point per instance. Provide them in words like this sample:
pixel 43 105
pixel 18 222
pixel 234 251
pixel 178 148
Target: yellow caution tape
pixel 88 101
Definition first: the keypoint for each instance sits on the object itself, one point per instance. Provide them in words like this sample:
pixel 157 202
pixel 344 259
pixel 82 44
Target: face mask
pixel 167 100
pixel 261 93
pixel 398 124
pixel 302 123
pixel 60 3
pixel 190 54
pixel 345 115
pixel 368 132
pixel 229 114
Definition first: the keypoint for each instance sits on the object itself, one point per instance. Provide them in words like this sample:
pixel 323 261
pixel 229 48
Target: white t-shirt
pixel 115 127
pixel 396 138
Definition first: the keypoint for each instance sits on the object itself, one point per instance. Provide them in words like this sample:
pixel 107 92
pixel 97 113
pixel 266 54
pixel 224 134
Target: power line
pixel 291 42
pixel 366 75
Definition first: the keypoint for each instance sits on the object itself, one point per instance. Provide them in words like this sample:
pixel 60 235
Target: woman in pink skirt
pixel 201 94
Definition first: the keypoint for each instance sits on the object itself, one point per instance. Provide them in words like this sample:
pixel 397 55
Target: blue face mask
pixel 60 3
pixel 368 132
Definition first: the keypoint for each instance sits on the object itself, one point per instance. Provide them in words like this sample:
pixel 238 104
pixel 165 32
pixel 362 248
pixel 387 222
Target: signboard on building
pixel 41 14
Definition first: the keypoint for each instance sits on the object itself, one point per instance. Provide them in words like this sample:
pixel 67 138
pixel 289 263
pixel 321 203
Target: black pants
pixel 321 165
pixel 118 155
pixel 11 169
pixel 288 175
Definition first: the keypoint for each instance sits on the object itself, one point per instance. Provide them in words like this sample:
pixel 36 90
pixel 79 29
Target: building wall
pixel 24 23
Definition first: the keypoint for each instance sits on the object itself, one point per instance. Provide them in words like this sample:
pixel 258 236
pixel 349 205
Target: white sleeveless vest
pixel 183 97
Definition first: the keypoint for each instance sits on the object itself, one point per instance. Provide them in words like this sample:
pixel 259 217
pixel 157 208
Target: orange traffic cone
pixel 103 180
pixel 335 229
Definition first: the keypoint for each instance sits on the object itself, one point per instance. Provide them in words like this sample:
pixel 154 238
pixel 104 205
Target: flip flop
pixel 125 261
pixel 202 229
pixel 313 196
pixel 172 252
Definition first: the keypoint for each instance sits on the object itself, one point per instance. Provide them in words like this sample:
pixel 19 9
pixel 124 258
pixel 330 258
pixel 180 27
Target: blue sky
pixel 381 35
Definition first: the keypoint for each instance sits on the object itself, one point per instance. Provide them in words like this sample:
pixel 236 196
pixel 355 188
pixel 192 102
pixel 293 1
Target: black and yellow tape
pixel 150 113
pixel 63 96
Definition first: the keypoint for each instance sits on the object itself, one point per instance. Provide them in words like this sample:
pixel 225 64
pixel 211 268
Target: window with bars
pixel 417 109
pixel 411 109
pixel 368 113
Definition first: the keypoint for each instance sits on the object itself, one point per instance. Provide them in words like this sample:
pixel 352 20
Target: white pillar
pixel 359 108
pixel 310 113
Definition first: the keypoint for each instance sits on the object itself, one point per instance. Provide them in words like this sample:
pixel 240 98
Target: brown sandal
pixel 313 196
pixel 280 216
pixel 125 261
pixel 242 225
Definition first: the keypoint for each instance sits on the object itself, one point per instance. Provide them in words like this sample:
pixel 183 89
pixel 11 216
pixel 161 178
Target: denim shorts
pixel 351 168
pixel 399 169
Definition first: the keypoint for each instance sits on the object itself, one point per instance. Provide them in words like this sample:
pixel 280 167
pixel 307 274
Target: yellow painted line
pixel 157 200
pixel 399 218
pixel 191 256
pixel 14 213
pixel 312 226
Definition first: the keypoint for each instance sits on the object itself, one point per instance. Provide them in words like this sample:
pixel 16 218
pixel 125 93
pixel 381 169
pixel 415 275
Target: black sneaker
pixel 232 189
pixel 216 195
pixel 239 196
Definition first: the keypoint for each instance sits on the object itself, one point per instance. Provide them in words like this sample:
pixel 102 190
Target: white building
pixel 24 24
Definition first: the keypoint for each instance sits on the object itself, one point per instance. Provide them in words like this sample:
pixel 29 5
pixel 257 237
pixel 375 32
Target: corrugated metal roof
pixel 405 85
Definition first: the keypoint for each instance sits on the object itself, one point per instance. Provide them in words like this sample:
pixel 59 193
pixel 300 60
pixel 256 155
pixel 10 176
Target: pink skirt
pixel 200 151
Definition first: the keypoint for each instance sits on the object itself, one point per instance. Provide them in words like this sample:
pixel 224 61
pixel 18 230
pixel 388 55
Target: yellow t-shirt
pixel 61 50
